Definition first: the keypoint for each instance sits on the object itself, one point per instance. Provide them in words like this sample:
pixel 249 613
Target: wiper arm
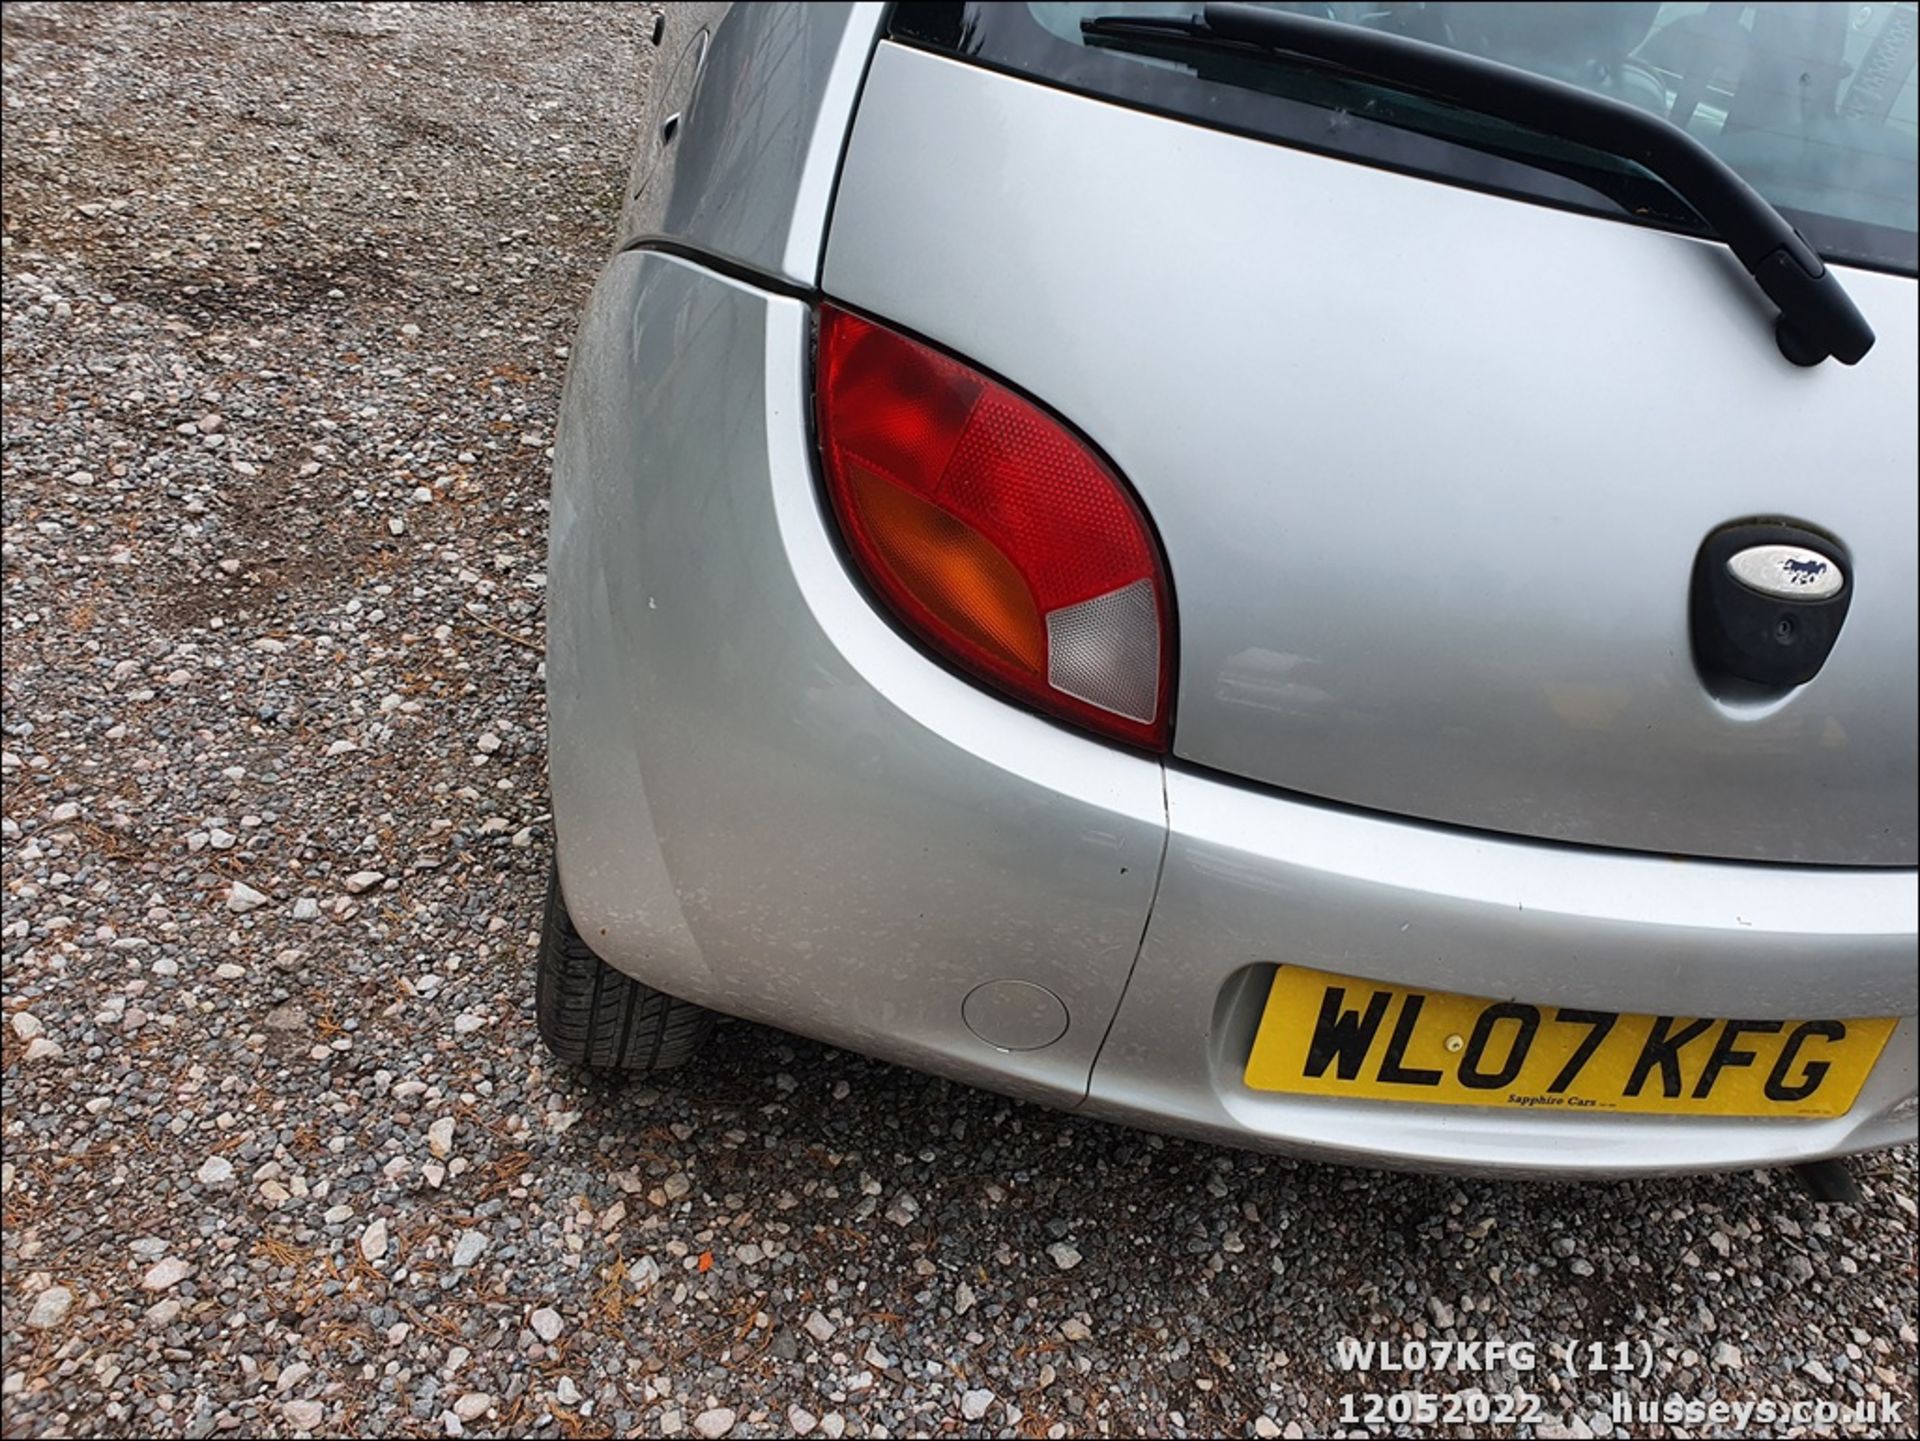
pixel 1817 317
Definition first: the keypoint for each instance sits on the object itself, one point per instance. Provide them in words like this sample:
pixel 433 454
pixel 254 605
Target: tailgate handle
pixel 1768 600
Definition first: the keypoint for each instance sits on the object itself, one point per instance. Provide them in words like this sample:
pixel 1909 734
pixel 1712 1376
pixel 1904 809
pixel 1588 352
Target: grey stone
pixel 50 1308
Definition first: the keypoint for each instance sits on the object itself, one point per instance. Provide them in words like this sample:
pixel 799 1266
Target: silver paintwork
pixel 1787 572
pixel 762 94
pixel 1253 880
pixel 1431 466
pixel 1015 1015
pixel 768 802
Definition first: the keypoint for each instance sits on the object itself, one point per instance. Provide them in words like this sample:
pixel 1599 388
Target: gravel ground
pixel 287 300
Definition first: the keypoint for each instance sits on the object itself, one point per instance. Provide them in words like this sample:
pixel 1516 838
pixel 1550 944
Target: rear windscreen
pixel 1813 103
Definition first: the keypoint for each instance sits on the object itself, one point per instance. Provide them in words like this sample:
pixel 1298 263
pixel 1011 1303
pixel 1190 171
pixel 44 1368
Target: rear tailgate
pixel 1431 466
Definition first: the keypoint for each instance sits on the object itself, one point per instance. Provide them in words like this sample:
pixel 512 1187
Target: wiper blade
pixel 1817 317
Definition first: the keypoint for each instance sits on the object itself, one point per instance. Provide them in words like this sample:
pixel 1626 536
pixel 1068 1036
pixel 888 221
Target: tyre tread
pixel 593 1016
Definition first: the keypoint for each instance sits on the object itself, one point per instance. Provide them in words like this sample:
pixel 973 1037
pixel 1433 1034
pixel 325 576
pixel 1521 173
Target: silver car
pixel 1338 578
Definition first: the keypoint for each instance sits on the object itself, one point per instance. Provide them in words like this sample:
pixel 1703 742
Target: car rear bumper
pixel 1252 880
pixel 771 803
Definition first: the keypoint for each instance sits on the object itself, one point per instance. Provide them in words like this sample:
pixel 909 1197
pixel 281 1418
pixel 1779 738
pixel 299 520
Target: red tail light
pixel 993 532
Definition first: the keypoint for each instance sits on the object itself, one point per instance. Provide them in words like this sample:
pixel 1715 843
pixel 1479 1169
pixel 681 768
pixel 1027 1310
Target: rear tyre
pixel 591 1015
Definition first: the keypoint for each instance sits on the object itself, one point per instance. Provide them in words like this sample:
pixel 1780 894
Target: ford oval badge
pixel 1787 572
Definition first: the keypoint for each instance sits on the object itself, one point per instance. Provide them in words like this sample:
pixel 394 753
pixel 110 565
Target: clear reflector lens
pixel 1107 651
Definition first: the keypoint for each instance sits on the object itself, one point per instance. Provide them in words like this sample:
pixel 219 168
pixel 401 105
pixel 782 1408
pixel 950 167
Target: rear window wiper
pixel 1817 317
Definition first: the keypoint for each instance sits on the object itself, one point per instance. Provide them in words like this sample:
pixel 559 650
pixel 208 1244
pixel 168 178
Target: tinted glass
pixel 1814 103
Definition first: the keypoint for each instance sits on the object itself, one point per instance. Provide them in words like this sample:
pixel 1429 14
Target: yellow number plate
pixel 1327 1035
